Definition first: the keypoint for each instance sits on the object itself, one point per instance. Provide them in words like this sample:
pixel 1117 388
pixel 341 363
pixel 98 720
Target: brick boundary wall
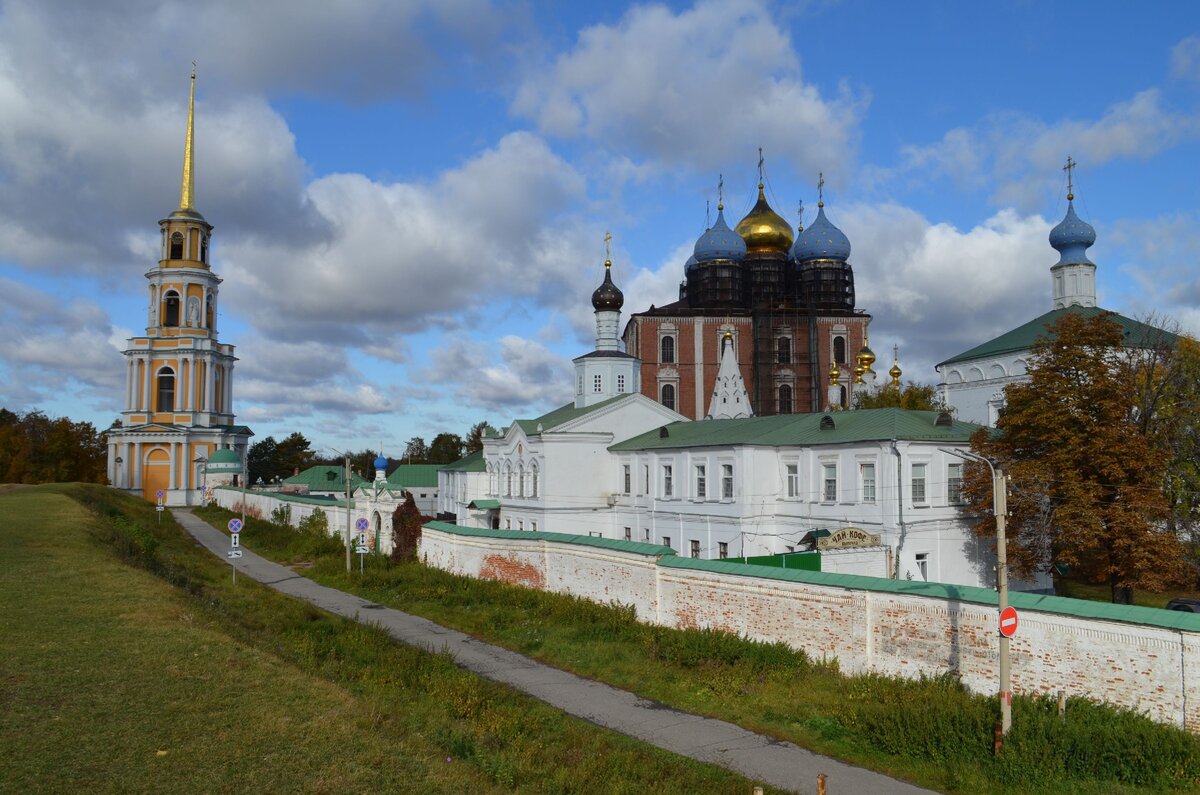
pixel 1144 659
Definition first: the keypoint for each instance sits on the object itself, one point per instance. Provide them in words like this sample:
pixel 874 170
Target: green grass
pixel 929 731
pixel 131 663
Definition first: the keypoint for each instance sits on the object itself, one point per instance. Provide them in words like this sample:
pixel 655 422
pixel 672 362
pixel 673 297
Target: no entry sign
pixel 1008 621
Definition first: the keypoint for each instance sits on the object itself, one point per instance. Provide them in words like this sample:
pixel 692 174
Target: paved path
pixel 759 758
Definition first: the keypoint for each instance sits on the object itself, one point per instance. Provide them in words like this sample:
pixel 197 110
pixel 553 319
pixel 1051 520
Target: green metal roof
pixel 1136 334
pixel 472 462
pixel 804 430
pixel 484 505
pixel 305 499
pixel 325 478
pixel 636 547
pixel 564 414
pixel 419 475
pixel 224 459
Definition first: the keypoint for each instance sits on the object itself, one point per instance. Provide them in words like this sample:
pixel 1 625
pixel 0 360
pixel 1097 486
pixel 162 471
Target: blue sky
pixel 410 198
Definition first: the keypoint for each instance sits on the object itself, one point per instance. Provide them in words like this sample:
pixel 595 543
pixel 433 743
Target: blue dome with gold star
pixel 1072 238
pixel 719 242
pixel 821 240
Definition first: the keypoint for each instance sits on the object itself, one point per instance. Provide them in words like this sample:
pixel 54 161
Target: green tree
pixel 262 460
pixel 37 449
pixel 474 442
pixel 446 448
pixel 291 454
pixel 920 397
pixel 416 451
pixel 1086 482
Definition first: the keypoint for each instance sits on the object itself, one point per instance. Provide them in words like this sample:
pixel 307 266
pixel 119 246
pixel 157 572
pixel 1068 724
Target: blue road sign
pixel 235 525
pixel 362 524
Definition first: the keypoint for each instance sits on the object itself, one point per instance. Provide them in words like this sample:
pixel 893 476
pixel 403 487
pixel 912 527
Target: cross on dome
pixel 1070 169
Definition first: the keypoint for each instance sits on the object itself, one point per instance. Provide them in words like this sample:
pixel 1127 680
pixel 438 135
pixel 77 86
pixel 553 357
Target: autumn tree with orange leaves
pixel 1086 483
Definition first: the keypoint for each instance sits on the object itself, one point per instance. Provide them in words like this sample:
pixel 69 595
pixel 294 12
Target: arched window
pixel 533 483
pixel 508 480
pixel 845 403
pixel 668 396
pixel 204 249
pixel 171 308
pixel 166 390
pixel 783 346
pixel 839 350
pixel 785 399
pixel 667 354
pixel 208 312
pixel 521 480
pixel 176 246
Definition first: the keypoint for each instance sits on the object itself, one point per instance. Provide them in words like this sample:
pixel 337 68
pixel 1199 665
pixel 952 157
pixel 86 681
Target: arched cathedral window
pixel 667 350
pixel 785 399
pixel 171 309
pixel 839 350
pixel 668 396
pixel 783 347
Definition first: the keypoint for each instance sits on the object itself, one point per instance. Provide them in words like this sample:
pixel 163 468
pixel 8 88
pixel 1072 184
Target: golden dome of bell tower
pixel 762 228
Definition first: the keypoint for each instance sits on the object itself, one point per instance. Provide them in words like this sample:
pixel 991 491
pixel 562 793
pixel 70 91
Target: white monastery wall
pixel 1150 669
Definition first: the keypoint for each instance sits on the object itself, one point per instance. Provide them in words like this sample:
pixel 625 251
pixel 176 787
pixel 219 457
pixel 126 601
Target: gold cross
pixel 760 164
pixel 1070 169
pixel 193 70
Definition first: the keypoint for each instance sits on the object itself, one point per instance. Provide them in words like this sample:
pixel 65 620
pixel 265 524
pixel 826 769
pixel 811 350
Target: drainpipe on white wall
pixel 899 507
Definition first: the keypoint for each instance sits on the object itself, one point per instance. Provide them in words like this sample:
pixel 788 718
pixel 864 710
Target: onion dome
pixel 607 297
pixel 763 229
pixel 834 374
pixel 690 265
pixel 381 462
pixel 719 241
pixel 822 240
pixel 866 356
pixel 1072 237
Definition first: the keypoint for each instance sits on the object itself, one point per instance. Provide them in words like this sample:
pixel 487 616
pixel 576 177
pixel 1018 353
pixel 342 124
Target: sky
pixel 410 198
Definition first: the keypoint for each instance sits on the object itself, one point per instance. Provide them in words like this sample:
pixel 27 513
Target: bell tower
pixel 179 376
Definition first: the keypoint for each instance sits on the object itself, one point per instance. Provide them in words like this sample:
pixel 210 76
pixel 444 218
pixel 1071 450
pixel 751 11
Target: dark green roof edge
pixel 1137 334
pixel 564 414
pixel 415 475
pixel 635 547
pixel 1041 603
pixel 472 462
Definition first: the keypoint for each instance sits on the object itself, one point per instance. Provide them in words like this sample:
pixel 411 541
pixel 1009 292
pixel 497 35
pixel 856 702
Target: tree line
pixel 270 460
pixel 37 449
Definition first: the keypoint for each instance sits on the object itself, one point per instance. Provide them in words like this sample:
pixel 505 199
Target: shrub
pixel 282 514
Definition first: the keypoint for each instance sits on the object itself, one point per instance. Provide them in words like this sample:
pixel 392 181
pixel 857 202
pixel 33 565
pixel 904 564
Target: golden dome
pixel 834 375
pixel 763 229
pixel 895 373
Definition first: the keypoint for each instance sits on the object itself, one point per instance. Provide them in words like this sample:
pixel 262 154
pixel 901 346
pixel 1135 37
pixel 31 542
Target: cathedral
pixel 783 302
pixel 178 377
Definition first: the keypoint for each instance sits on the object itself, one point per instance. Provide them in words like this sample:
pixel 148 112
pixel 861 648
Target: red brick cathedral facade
pixel 788 301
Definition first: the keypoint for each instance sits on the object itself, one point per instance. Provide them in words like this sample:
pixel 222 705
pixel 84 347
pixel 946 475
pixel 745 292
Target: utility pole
pixel 347 457
pixel 1000 510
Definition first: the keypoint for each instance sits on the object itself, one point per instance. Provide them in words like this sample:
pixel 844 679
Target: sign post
pixel 235 552
pixel 361 525
pixel 159 507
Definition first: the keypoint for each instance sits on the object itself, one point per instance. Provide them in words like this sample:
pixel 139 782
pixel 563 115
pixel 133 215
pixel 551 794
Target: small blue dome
pixel 719 242
pixel 690 265
pixel 1072 238
pixel 822 240
pixel 381 463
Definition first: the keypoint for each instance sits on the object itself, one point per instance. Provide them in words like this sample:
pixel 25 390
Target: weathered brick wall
pixel 1153 670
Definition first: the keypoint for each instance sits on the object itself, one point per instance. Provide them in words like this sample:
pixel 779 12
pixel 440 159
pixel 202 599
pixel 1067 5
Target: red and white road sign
pixel 1008 621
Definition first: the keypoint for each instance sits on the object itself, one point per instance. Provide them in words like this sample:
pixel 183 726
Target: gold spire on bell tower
pixel 186 190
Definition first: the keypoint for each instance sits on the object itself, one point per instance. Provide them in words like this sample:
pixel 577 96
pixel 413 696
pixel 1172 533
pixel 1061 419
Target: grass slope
pixel 162 676
pixel 928 731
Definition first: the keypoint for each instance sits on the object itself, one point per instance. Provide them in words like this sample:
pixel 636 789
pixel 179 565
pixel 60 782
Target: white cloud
pixel 1023 156
pixel 936 290
pixel 512 375
pixel 702 87
pixel 1185 58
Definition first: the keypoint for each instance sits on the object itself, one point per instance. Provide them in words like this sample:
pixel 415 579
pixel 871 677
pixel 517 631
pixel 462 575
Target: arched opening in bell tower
pixel 176 246
pixel 165 390
pixel 171 308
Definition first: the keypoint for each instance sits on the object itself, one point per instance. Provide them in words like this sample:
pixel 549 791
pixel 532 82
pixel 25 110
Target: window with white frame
pixel 521 480
pixel 645 478
pixel 793 480
pixel 533 481
pixel 727 481
pixel 621 383
pixel 701 482
pixel 667 542
pixel 520 524
pixel 923 565
pixel 866 473
pixel 597 383
pixel 954 478
pixel 646 534
pixel 626 478
pixel 722 550
pixel 507 480
pixel 508 524
pixel 668 396
pixel 918 483
pixel 533 526
pixel 668 486
pixel 667 350
pixel 694 545
pixel 628 533
pixel 829 486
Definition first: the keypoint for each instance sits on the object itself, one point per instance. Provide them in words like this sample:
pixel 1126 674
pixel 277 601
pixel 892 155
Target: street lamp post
pixel 1000 509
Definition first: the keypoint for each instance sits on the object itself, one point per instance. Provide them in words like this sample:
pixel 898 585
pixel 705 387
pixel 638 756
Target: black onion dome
pixel 607 297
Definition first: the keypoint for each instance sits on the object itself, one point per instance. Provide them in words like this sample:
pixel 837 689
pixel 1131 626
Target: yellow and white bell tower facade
pixel 179 376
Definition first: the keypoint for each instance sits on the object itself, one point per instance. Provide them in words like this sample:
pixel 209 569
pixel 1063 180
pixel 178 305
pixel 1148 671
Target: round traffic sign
pixel 1008 621
pixel 235 525
pixel 160 494
pixel 362 524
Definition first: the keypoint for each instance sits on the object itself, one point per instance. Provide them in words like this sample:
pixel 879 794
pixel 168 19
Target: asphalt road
pixel 759 758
